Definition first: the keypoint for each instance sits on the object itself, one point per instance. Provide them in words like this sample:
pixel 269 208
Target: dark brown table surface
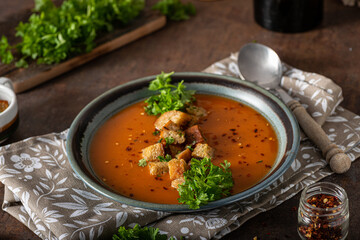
pixel 219 28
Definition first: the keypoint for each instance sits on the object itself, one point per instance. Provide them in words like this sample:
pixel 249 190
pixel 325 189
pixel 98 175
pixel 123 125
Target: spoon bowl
pixel 260 64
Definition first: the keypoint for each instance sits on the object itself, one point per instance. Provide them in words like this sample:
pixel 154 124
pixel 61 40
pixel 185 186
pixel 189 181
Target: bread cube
pixel 197 111
pixel 170 125
pixel 177 167
pixel 178 136
pixel 175 183
pixel 186 155
pixel 203 150
pixel 178 118
pixel 193 135
pixel 151 153
pixel 158 168
pixel 175 149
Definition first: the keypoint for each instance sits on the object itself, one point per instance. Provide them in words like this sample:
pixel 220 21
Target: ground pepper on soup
pixel 234 132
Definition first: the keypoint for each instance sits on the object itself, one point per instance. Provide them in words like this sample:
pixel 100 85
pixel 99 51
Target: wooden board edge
pixel 146 29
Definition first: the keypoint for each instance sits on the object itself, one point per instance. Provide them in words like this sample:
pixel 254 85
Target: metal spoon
pixel 261 65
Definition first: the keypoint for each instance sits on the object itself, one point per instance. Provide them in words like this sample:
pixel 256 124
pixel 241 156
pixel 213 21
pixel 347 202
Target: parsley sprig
pixel 175 10
pixel 142 163
pixel 170 97
pixel 5 51
pixel 167 158
pixel 205 182
pixel 169 140
pixel 53 34
pixel 145 233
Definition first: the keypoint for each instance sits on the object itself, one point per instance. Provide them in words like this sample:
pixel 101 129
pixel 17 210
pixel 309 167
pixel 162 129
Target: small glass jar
pixel 323 212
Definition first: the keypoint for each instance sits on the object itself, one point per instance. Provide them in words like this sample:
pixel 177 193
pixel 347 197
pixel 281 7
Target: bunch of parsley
pixel 53 34
pixel 205 182
pixel 145 233
pixel 170 97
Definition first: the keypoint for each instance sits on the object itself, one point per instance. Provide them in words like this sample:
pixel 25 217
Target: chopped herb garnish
pixel 169 140
pixel 170 97
pixel 156 133
pixel 259 161
pixel 167 158
pixel 190 148
pixel 142 162
pixel 145 233
pixel 159 141
pixel 205 182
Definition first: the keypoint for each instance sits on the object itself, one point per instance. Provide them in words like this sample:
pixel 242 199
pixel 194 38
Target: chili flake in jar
pixel 323 212
pixel 3 105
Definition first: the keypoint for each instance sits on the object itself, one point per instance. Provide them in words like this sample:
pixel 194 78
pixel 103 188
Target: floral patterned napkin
pixel 43 192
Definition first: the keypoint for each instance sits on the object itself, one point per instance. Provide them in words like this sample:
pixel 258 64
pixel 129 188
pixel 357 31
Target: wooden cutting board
pixel 27 78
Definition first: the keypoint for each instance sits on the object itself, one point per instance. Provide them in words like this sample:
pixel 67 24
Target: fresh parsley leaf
pixel 169 140
pixel 156 133
pixel 6 56
pixel 41 5
pixel 136 233
pixel 190 148
pixel 142 163
pixel 175 10
pixel 205 182
pixel 53 34
pixel 167 158
pixel 21 63
pixel 170 97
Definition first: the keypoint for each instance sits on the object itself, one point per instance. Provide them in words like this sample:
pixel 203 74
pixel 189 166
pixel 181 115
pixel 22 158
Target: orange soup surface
pixel 238 133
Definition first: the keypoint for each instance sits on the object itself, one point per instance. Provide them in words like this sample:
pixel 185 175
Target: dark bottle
pixel 288 16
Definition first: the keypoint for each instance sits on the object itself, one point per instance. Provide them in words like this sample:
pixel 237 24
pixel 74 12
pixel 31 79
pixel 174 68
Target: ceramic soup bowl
pixel 103 107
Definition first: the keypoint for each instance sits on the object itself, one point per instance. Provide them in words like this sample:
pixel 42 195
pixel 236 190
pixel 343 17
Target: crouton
pixel 178 136
pixel 175 149
pixel 193 135
pixel 203 150
pixel 151 153
pixel 177 167
pixel 194 120
pixel 170 125
pixel 158 168
pixel 186 155
pixel 177 117
pixel 197 111
pixel 175 183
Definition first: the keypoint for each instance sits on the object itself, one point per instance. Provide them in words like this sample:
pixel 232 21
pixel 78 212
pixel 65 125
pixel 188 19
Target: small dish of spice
pixel 3 105
pixel 9 117
pixel 323 212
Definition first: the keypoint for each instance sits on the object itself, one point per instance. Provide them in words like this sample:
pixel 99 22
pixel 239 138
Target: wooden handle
pixel 338 160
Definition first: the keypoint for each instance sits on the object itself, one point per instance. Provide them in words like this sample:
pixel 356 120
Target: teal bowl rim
pixel 211 78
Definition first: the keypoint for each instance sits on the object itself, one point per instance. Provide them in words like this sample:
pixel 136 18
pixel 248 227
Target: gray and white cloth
pixel 43 192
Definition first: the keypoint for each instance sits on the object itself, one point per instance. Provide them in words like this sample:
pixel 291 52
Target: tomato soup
pixel 238 133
